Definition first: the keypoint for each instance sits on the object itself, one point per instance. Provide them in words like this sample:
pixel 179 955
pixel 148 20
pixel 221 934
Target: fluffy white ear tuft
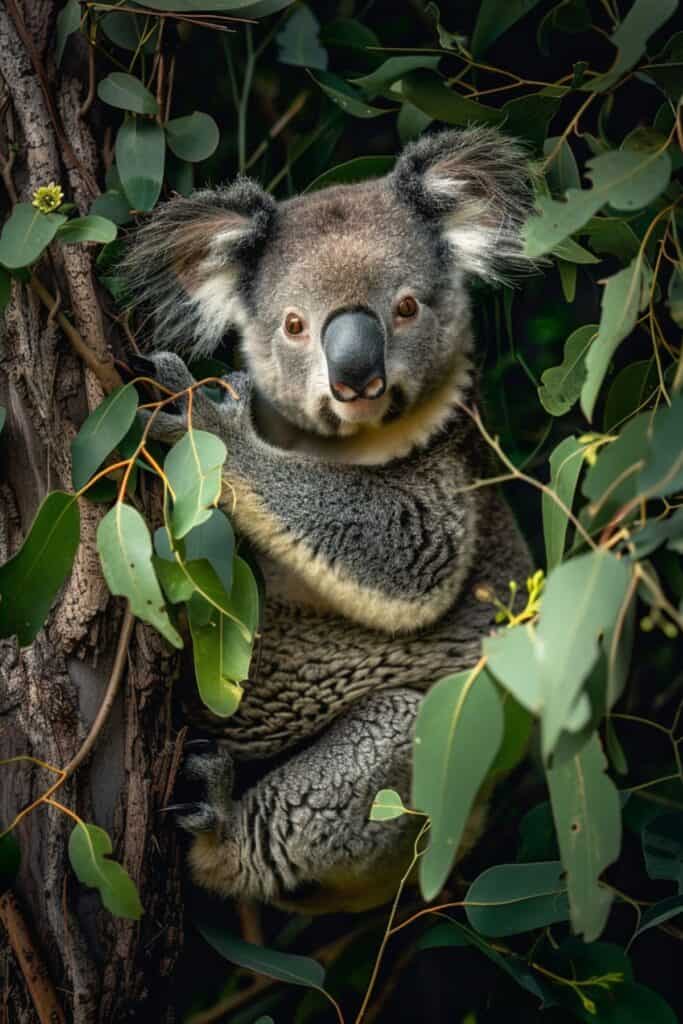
pixel 188 264
pixel 476 185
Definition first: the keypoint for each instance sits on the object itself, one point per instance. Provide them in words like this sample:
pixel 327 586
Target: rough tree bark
pixel 103 969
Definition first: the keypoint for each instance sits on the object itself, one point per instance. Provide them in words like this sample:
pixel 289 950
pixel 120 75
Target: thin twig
pixel 292 110
pixel 105 372
pixel 95 729
pixel 244 102
pixel 88 101
pixel 31 963
pixel 524 477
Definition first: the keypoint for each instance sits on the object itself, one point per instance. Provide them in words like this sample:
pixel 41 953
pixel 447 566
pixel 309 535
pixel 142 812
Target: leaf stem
pixel 244 102
pixel 95 729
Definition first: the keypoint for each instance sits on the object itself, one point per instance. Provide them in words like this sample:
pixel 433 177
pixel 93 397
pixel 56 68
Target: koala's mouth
pixel 338 417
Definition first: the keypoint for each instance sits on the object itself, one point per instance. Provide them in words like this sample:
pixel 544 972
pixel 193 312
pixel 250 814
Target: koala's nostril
pixel 375 389
pixel 343 392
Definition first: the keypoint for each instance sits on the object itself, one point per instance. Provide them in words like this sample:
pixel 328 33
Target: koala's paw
pixel 205 787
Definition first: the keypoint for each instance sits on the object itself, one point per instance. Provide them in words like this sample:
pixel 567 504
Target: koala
pixel 352 471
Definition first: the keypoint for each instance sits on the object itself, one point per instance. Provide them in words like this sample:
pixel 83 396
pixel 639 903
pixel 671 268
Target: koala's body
pixel 351 469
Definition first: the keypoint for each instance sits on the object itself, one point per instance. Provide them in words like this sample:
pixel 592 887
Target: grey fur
pixel 374 544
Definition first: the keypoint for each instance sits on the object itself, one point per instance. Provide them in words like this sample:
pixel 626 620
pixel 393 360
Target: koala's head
pixel 350 301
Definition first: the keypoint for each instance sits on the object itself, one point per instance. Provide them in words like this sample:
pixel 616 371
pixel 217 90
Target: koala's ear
pixel 188 265
pixel 475 186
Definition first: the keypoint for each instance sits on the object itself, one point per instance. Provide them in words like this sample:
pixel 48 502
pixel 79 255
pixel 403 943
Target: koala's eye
pixel 294 324
pixel 407 307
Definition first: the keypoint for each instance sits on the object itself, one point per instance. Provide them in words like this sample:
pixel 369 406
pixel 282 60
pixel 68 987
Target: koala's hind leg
pixel 301 837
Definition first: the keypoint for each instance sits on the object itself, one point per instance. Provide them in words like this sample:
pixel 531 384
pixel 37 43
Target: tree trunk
pixel 102 968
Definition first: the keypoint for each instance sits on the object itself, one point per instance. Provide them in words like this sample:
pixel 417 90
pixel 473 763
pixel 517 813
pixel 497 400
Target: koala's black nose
pixel 354 348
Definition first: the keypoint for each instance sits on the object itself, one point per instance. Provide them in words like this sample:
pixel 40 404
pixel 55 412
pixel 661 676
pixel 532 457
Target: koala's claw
pixel 205 788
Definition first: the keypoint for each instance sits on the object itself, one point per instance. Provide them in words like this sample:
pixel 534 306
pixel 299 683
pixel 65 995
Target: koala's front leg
pixel 302 836
pixel 386 546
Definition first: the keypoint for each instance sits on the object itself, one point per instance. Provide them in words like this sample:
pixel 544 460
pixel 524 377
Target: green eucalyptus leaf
pixel 92 228
pixel 587 815
pixel 126 92
pixel 214 540
pixel 662 474
pixel 561 385
pixel 26 234
pixel 295 970
pixel 455 934
pixel 127 30
pixel 450 762
pixel 345 96
pixel 179 175
pixel 447 40
pixel 359 169
pixel 630 39
pixel 528 117
pixel 510 654
pixel 676 295
pixel 125 550
pixel 660 913
pixel 68 21
pixel 624 295
pixel 565 16
pixel 613 480
pixel 610 236
pixel 89 850
pixel 428 93
pixel 3 417
pixel 656 532
pixel 634 385
pixel 582 599
pixel 347 33
pixel 222 653
pixel 298 41
pixel 211 637
pixel 386 806
pixel 563 172
pixel 626 180
pixel 518 724
pixel 176 579
pixel 390 71
pixel 537 837
pixel 565 465
pixel 513 898
pixel 663 847
pixel 112 205
pixel 411 122
pixel 192 138
pixel 104 428
pixel 140 153
pixel 568 276
pixel 193 467
pixel 30 581
pixel 571 252
pixel 494 18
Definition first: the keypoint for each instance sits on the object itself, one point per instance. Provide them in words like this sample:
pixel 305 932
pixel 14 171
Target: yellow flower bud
pixel 48 198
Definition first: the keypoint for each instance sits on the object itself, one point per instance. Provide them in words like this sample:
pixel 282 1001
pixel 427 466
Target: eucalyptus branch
pixel 106 373
pixel 95 729
pixel 517 474
pixel 244 102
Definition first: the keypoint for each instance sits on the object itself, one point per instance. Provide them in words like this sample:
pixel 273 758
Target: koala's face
pixel 353 314
pixel 350 301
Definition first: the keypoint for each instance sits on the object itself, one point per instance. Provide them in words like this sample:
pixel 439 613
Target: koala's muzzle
pixel 353 343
